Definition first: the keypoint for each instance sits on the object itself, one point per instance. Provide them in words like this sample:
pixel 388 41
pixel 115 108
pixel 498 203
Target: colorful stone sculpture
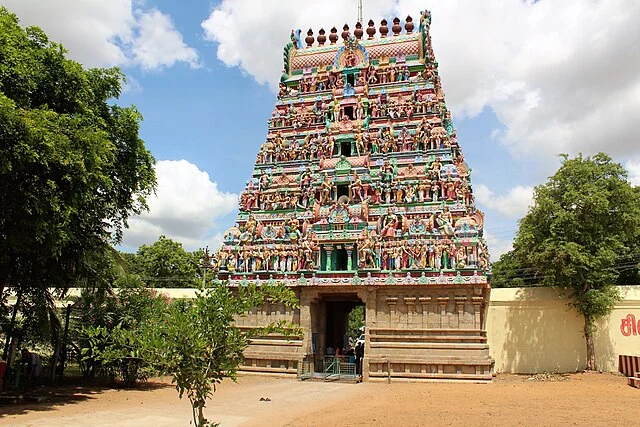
pixel 361 151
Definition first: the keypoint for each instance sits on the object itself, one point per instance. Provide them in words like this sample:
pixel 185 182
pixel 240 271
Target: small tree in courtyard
pixel 198 344
pixel 583 226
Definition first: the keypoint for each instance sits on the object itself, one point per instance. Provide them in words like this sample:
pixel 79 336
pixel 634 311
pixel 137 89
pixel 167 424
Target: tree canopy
pixel 72 165
pixel 165 264
pixel 580 233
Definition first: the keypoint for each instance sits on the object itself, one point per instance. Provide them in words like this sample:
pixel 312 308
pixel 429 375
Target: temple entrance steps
pixel 274 354
pixel 428 354
pixel 430 369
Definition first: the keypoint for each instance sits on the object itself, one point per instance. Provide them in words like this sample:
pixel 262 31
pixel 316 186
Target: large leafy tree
pixel 165 263
pixel 72 166
pixel 580 233
pixel 511 271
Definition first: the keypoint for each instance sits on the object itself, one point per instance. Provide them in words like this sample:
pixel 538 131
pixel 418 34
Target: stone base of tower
pixel 413 332
pixel 428 354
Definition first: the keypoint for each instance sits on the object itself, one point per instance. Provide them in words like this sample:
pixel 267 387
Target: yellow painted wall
pixel 534 330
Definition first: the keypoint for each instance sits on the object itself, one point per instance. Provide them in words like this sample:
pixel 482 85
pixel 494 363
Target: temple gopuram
pixel 361 195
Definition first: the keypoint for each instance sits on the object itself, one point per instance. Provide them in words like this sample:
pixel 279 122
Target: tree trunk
pixel 7 344
pixel 197 412
pixel 201 419
pixel 588 335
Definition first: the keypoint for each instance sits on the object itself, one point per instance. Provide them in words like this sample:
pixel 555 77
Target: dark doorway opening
pixel 345 149
pixel 337 329
pixel 342 190
pixel 342 259
pixel 338 333
pixel 351 79
pixel 348 111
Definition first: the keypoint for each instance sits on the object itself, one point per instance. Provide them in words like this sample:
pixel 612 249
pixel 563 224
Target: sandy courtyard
pixel 580 399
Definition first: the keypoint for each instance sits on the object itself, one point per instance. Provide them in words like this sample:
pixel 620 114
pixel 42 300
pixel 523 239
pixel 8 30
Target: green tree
pixel 166 264
pixel 199 345
pixel 72 166
pixel 355 321
pixel 583 226
pixel 511 271
pixel 109 326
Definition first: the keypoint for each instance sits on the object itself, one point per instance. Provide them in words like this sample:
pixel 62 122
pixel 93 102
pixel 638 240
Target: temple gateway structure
pixel 361 195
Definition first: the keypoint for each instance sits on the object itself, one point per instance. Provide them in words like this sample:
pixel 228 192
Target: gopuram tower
pixel 360 195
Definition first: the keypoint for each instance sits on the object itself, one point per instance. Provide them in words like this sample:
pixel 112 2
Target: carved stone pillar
pixel 305 323
pixel 349 261
pixel 424 302
pixel 329 251
pixel 411 304
pixel 370 300
pixel 443 302
pixel 392 301
pixel 460 301
pixel 477 311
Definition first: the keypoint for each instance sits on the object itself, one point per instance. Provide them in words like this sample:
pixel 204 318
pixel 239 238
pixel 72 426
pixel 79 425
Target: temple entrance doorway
pixel 338 325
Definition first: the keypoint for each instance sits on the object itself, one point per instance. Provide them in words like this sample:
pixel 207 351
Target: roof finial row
pixel 359 31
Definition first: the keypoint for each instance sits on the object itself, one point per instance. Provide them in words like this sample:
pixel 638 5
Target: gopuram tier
pixel 361 195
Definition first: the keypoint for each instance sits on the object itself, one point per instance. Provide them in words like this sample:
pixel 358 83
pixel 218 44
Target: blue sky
pixel 525 81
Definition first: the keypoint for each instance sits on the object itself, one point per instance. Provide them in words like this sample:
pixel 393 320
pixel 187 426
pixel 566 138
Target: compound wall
pixel 534 330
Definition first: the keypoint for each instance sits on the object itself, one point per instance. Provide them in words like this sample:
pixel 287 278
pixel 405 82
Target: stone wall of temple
pixel 528 330
pixel 418 332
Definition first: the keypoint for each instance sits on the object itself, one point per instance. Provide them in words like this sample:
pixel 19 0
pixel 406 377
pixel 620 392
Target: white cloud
pixel 92 31
pixel 634 171
pixel 159 45
pixel 497 245
pixel 186 205
pixel 108 33
pixel 514 204
pixel 252 35
pixel 561 76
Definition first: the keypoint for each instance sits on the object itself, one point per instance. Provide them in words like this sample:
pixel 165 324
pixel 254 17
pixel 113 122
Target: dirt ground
pixel 577 399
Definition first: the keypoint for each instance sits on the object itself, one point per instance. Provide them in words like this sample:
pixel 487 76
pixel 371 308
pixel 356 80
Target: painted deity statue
pixel 388 224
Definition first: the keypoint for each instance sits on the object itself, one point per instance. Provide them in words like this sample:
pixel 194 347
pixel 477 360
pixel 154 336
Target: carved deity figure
pixel 360 108
pixel 359 140
pixel 326 187
pixel 309 247
pixel 445 221
pixel 388 224
pixel 405 139
pixel 356 188
pixel 366 250
pixel 436 168
pixel 387 171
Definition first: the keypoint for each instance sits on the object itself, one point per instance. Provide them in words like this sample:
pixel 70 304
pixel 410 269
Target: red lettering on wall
pixel 628 325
